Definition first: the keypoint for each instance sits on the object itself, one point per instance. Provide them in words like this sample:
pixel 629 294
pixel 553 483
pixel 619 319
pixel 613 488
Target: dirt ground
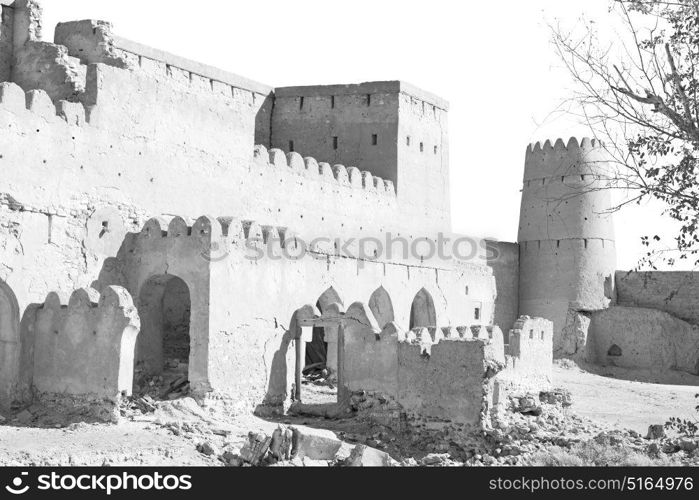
pixel 172 434
pixel 621 397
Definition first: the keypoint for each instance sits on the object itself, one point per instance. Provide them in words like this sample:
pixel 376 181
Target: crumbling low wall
pixel 83 351
pixel 529 353
pixel 435 376
pixel 675 292
pixel 634 337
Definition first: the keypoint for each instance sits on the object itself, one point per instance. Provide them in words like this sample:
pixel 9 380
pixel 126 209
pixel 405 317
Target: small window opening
pixel 301 99
pixel 291 146
pixel 422 147
pixel 334 142
pixel 332 101
pixel 374 139
pixel 368 99
pixel 435 150
pixel 477 313
pixel 531 334
pixel 105 228
pixel 407 141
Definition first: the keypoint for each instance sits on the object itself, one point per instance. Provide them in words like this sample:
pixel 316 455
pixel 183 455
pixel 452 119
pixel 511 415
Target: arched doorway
pixel 9 344
pixel 163 345
pixel 381 306
pixel 320 352
pixel 422 311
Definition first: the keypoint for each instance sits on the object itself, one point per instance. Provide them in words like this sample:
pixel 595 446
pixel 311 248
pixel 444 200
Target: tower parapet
pixel 566 233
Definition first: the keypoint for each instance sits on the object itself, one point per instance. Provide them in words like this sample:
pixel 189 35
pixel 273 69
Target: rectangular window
pixel 531 334
pixel 332 101
pixel 374 139
pixel 334 142
pixel 477 313
pixel 435 150
pixel 291 146
pixel 422 147
pixel 407 141
pixel 301 102
pixel 368 99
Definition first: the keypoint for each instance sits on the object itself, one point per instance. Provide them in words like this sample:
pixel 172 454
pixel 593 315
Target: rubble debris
pixel 656 431
pixel 318 444
pixel 281 444
pixel 256 447
pixel 556 396
pixel 207 448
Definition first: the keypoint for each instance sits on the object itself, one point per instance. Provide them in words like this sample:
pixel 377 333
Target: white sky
pixel 492 60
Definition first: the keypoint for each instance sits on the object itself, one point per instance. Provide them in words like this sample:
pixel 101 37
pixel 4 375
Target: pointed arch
pixel 9 344
pixel 329 296
pixel 422 310
pixel 317 349
pixel 381 306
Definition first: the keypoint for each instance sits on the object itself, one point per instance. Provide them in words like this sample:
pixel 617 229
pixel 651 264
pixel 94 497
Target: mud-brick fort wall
pixel 675 292
pixel 102 133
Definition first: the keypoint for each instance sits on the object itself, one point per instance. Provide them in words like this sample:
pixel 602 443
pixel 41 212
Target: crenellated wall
pixel 434 375
pixel 246 281
pixel 84 350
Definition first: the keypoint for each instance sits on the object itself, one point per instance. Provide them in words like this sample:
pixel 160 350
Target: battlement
pixel 363 89
pixel 84 349
pixel 577 157
pixel 38 102
pixel 433 374
pixel 343 176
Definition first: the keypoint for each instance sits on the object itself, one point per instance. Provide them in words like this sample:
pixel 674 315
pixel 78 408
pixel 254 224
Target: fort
pixel 190 220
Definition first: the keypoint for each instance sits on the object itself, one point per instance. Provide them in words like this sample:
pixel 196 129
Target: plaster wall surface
pixel 674 292
pixel 423 160
pixel 9 346
pixel 85 348
pixel 448 384
pixel 643 338
pixel 503 259
pixel 530 353
pixel 434 375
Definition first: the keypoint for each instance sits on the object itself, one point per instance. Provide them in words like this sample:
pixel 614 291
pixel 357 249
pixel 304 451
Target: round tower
pixel 566 235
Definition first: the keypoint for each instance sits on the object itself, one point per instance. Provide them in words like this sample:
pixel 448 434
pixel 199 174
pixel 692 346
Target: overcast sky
pixel 492 60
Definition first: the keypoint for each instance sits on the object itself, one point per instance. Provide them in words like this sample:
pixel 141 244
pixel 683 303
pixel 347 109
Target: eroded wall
pixel 635 337
pixel 530 354
pixel 674 292
pixel 435 376
pixel 85 348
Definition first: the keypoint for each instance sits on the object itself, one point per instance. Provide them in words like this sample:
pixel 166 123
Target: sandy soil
pixel 618 397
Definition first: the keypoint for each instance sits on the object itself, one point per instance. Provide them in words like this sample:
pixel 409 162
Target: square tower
pixel 391 129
